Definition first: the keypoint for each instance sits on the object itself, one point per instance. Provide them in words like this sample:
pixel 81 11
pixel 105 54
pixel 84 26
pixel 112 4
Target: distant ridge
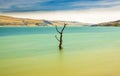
pixel 13 21
pixel 112 23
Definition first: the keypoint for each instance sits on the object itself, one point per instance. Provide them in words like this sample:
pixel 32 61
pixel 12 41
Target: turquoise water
pixel 33 51
pixel 5 31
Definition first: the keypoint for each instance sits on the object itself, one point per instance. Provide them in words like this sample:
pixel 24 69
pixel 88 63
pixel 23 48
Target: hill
pixel 112 23
pixel 12 21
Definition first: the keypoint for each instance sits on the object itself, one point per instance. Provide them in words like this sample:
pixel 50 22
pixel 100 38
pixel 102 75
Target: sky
pixel 88 11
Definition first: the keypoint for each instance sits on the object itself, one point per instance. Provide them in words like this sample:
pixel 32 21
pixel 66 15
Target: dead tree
pixel 61 35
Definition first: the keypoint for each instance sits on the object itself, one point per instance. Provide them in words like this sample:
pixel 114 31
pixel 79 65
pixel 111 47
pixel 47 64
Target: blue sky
pixel 91 11
pixel 54 5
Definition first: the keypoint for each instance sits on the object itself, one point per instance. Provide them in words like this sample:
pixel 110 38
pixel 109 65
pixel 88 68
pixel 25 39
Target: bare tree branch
pixel 63 28
pixel 57 38
pixel 57 29
pixel 60 32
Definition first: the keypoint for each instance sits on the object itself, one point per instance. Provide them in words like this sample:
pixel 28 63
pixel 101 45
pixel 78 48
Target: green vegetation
pixel 113 23
pixel 12 21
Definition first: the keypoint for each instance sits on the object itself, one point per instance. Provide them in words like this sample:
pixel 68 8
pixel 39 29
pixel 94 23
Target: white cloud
pixel 97 3
pixel 89 16
pixel 19 3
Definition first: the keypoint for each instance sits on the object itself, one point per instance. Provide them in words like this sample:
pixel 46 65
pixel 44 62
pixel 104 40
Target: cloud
pixel 97 15
pixel 54 5
pixel 96 4
pixel 91 11
pixel 18 5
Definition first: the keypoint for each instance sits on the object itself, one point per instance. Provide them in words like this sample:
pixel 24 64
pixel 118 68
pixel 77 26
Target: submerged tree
pixel 61 35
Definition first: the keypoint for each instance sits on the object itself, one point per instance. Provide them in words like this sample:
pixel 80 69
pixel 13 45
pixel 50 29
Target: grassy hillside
pixel 12 21
pixel 112 23
pixel 6 20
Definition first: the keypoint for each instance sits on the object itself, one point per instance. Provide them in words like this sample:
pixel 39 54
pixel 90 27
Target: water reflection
pixel 61 62
pixel 61 56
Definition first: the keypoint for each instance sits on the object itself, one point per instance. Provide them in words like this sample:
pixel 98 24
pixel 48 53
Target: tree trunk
pixel 61 35
pixel 60 44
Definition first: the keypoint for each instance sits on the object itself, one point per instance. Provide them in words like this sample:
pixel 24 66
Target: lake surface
pixel 33 51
